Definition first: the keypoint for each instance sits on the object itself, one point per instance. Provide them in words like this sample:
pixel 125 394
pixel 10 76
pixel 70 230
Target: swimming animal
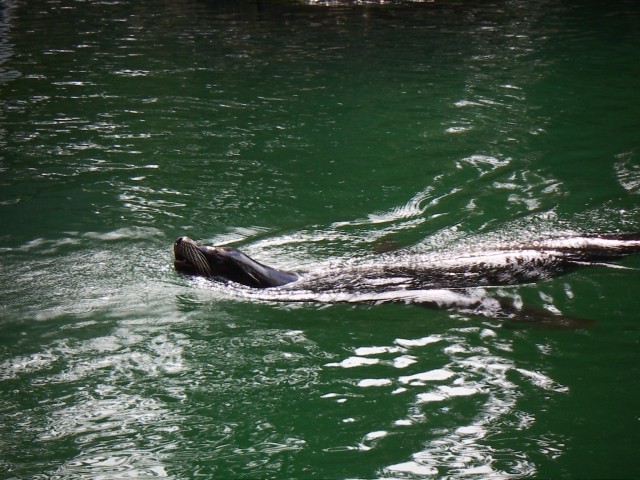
pixel 539 260
pixel 455 280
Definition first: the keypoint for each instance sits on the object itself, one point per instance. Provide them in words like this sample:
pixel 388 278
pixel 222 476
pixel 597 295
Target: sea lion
pixel 453 281
pixel 517 264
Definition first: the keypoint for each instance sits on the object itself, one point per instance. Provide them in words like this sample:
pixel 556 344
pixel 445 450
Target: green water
pixel 305 134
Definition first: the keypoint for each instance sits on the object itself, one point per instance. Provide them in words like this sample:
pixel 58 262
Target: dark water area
pixel 310 134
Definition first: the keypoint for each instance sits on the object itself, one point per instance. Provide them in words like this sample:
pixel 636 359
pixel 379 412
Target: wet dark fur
pixel 396 277
pixel 509 266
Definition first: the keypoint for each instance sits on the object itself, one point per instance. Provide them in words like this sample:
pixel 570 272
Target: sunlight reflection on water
pixel 310 138
pixel 475 384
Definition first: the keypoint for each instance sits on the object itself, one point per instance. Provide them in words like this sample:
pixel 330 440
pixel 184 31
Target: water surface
pixel 305 135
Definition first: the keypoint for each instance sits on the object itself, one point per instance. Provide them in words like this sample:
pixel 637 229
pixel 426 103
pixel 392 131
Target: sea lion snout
pixel 179 240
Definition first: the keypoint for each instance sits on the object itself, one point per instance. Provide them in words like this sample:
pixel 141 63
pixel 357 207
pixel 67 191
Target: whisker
pixel 197 259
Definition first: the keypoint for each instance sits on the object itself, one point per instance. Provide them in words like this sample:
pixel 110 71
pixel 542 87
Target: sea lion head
pixel 202 260
pixel 226 264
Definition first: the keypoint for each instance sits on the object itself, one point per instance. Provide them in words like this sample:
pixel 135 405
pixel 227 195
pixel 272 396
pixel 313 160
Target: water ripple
pixel 471 379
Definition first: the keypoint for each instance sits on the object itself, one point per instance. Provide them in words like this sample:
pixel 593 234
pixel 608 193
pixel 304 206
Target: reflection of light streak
pixel 476 390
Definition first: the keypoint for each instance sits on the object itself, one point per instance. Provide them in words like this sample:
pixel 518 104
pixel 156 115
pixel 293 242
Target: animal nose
pixel 179 240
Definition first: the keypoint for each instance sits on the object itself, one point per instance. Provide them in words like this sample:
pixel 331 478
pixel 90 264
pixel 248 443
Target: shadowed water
pixel 309 136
